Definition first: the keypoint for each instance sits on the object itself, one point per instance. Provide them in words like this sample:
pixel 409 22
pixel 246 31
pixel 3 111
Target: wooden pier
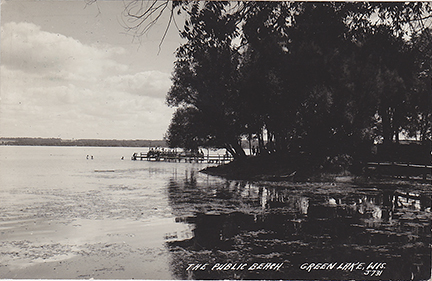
pixel 182 157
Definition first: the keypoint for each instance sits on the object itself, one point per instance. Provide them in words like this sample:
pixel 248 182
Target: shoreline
pixel 273 171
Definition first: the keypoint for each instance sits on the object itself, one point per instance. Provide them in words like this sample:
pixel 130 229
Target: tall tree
pixel 205 74
pixel 317 78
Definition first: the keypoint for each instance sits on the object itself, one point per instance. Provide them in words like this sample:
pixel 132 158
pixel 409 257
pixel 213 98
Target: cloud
pixel 55 86
pixel 26 47
pixel 73 111
pixel 149 83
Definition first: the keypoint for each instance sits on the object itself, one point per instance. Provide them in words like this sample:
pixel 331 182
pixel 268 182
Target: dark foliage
pixel 316 81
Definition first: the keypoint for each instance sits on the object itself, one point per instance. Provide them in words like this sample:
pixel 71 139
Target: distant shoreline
pixel 27 141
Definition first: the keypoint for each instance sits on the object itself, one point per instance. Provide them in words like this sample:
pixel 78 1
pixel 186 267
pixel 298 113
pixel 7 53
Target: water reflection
pixel 241 223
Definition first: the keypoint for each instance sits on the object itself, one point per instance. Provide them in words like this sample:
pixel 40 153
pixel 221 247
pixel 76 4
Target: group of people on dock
pixel 156 152
pixel 167 154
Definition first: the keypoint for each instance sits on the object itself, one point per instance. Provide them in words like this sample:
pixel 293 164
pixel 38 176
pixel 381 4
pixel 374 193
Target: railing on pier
pixel 180 157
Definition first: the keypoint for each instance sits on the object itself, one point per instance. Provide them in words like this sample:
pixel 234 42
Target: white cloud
pixel 55 86
pixel 26 47
pixel 149 83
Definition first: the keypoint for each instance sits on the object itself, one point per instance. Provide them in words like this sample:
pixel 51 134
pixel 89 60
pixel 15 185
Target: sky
pixel 72 71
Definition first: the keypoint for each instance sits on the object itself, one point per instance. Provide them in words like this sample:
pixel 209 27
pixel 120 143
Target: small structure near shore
pixel 408 160
pixel 407 170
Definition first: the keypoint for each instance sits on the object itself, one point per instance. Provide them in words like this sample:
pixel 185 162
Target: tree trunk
pixel 260 143
pixel 230 150
pixel 239 152
pixel 236 150
pixel 250 143
pixel 387 131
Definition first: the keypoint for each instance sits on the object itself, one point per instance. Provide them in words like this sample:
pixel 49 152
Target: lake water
pixel 65 216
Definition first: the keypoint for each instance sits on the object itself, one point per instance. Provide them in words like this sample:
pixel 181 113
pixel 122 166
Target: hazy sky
pixel 72 71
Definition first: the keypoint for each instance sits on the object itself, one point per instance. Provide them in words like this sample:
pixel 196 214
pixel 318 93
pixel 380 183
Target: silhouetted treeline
pixel 81 142
pixel 322 81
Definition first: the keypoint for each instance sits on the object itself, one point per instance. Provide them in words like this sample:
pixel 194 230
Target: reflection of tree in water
pixel 187 196
pixel 190 178
pixel 241 223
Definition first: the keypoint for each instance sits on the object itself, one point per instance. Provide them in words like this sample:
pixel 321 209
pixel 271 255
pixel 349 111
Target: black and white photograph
pixel 215 140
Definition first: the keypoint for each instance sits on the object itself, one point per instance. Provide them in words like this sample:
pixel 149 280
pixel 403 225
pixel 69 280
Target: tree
pixel 420 108
pixel 205 76
pixel 318 79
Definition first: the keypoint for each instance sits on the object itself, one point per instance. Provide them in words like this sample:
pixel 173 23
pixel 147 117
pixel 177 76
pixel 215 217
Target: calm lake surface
pixel 65 216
